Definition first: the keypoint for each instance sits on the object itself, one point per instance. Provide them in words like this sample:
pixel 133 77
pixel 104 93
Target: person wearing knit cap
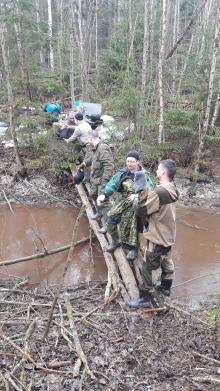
pixel 134 154
pixel 122 213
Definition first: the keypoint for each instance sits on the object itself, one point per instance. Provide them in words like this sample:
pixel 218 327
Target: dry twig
pixel 206 379
pixel 76 339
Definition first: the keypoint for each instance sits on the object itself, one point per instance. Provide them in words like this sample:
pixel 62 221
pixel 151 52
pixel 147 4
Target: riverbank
pixel 38 190
pixel 125 350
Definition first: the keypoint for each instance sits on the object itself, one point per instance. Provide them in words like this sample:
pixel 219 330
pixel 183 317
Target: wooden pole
pixel 126 282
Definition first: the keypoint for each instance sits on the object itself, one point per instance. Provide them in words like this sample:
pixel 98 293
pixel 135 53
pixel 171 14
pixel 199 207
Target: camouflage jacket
pixel 102 164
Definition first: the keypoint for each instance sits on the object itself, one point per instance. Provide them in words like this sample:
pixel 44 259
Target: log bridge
pixel 122 278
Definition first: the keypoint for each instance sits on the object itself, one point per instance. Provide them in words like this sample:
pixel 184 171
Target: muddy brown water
pixel 30 230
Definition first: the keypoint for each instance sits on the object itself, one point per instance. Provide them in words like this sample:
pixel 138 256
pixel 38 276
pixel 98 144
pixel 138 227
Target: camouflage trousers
pixel 156 257
pixel 124 215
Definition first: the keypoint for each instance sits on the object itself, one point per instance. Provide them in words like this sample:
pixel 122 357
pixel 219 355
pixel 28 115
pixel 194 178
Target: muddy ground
pixel 126 350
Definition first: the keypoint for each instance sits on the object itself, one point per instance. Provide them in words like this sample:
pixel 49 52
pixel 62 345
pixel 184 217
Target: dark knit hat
pixel 134 154
pixel 79 116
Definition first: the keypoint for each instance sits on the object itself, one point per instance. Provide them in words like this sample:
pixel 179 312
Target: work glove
pixel 81 166
pixel 100 199
pixel 140 181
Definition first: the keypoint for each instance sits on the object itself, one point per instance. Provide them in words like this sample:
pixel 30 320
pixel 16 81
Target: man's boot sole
pixel 112 250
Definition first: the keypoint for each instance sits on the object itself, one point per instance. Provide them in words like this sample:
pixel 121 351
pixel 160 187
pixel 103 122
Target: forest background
pixel 154 63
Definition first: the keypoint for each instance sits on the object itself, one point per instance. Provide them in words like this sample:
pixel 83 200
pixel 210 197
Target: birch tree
pixel 212 73
pixel 215 113
pixel 9 90
pixel 81 49
pixel 72 44
pixel 205 124
pixel 50 35
pixel 145 48
pixel 25 79
pixel 161 136
pixel 38 19
pixel 60 37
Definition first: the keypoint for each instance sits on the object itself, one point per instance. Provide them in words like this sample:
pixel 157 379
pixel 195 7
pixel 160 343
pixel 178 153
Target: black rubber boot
pixel 104 228
pixel 98 213
pixel 143 301
pixel 132 255
pixel 165 287
pixel 113 230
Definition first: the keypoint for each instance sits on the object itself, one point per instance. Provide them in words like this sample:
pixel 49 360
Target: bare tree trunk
pixel 161 136
pixel 145 56
pixel 25 79
pixel 72 45
pixel 82 53
pixel 205 124
pixel 207 12
pixel 212 73
pixel 37 6
pixel 215 114
pixel 96 33
pixel 145 49
pixel 174 38
pixel 60 38
pixel 185 65
pixel 9 91
pixel 118 11
pixel 151 47
pixel 129 23
pixel 50 35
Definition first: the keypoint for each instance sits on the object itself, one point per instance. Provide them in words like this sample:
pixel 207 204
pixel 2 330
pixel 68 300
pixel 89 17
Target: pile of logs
pixel 122 278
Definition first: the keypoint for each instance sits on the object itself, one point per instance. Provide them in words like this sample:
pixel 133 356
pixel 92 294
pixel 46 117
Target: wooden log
pixel 75 336
pixel 42 255
pixel 127 275
pixel 117 283
pixel 125 270
pixel 206 379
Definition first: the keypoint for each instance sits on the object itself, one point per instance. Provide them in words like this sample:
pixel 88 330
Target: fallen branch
pixel 196 354
pixel 206 379
pixel 28 334
pixel 58 364
pixel 7 388
pixel 76 339
pixel 23 303
pixel 185 31
pixel 50 317
pixel 21 283
pixel 197 278
pixel 50 195
pixel 168 305
pixel 139 384
pixel 77 366
pixel 8 202
pixel 69 258
pixel 29 358
pixel 13 384
pixel 43 254
pixel 91 312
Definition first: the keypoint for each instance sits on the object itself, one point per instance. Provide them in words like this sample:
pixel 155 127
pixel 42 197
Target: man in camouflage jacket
pixel 159 206
pixel 102 168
